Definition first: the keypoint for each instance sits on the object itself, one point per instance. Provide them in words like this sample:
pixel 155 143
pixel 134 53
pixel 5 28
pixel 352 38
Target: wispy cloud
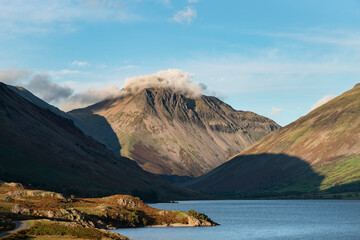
pixel 23 16
pixel 40 84
pixel 192 1
pixel 47 90
pixel 91 96
pixel 127 67
pixel 322 101
pixel 14 76
pixel 275 112
pixel 80 63
pixel 341 38
pixel 66 72
pixel 185 16
pixel 174 79
pixel 103 3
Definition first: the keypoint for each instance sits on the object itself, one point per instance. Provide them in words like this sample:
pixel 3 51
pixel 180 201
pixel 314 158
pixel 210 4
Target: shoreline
pixel 174 225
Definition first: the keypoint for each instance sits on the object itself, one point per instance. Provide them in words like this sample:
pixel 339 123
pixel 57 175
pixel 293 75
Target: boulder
pixel 193 222
pixel 38 193
pixel 18 209
pixel 12 184
pixel 127 202
pixel 8 199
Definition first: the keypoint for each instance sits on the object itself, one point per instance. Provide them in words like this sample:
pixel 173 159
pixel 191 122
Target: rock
pixel 49 214
pixel 162 213
pixel 193 222
pixel 8 199
pixel 206 224
pixel 81 218
pixel 127 202
pixel 12 184
pixel 38 193
pixel 18 209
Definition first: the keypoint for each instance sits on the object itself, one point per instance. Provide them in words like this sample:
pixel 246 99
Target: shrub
pixel 199 216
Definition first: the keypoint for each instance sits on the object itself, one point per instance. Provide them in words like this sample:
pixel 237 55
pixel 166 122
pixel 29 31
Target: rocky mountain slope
pixel 171 133
pixel 318 152
pixel 43 149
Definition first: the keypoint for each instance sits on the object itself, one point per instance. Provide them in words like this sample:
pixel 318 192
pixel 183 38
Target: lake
pixel 262 219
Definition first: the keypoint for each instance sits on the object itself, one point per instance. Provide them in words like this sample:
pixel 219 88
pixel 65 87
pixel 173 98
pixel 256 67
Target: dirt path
pixel 19 225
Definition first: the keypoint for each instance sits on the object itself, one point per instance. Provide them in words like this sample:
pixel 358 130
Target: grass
pixel 48 230
pixel 199 216
pixel 340 172
pixel 339 180
pixel 298 135
pixel 5 207
pixel 128 141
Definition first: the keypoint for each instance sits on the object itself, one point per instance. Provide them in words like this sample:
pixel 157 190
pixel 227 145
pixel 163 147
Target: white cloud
pixel 339 38
pixel 192 1
pixel 89 97
pixel 39 84
pixel 42 86
pixel 185 16
pixel 102 3
pixel 276 111
pixel 67 72
pixel 173 79
pixel 80 63
pixel 127 67
pixel 14 76
pixel 322 101
pixel 259 73
pixel 23 16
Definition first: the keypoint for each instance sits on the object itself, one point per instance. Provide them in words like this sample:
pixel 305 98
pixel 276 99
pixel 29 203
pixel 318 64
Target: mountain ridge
pixel 186 135
pixel 41 148
pixel 327 140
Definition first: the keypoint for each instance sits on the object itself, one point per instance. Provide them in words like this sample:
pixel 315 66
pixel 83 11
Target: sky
pixel 277 58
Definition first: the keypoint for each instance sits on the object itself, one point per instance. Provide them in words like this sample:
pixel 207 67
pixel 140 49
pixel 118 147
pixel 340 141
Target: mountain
pixel 41 148
pixel 37 101
pixel 171 133
pixel 318 152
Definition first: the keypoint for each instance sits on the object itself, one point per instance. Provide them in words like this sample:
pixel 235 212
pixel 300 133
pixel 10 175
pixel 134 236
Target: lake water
pixel 262 220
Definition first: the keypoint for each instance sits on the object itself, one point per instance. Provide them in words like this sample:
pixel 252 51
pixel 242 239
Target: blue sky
pixel 276 58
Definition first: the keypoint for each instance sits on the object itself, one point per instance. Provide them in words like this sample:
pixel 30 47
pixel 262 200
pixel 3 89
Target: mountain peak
pixel 171 132
pixel 172 79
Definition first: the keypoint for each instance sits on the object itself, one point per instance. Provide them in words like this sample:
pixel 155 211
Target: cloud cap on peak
pixel 173 79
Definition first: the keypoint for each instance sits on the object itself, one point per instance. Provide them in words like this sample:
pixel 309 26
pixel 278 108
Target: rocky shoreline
pixel 113 212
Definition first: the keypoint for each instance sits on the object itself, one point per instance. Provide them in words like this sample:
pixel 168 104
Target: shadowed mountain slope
pixel 104 134
pixel 40 148
pixel 261 175
pixel 37 101
pixel 170 133
pixel 327 139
